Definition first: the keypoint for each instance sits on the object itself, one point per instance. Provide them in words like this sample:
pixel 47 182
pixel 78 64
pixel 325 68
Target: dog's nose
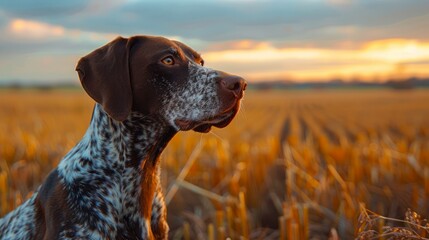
pixel 234 84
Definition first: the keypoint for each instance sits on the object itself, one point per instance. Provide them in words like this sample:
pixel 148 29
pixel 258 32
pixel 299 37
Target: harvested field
pixel 292 165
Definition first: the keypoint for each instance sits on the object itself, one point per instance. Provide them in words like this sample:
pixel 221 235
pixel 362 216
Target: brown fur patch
pixel 149 182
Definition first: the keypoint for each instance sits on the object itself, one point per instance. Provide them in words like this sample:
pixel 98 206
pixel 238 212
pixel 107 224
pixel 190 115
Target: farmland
pixel 292 165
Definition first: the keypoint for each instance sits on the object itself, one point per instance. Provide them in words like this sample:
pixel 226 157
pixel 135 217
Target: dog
pixel 146 89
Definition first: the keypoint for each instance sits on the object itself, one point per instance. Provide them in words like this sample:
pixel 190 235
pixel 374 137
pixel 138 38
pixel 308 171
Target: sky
pixel 301 40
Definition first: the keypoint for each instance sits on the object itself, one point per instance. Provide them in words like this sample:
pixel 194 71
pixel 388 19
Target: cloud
pixel 37 36
pixel 33 29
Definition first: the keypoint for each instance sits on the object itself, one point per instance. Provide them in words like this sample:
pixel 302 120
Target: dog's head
pixel 163 78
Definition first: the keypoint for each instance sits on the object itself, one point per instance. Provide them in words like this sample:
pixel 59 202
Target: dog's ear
pixel 105 76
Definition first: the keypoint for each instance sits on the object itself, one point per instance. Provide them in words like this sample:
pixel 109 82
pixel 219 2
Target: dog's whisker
pixel 242 110
pixel 217 136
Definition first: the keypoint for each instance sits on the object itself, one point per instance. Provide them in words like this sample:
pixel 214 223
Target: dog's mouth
pixel 220 121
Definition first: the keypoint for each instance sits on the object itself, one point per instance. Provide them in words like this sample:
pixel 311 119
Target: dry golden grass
pixel 292 165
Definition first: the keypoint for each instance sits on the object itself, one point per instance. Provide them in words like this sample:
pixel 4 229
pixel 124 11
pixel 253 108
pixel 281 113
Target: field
pixel 292 165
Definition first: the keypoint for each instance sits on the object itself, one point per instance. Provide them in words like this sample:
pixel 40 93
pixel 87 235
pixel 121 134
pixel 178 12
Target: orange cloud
pixel 266 53
pixel 240 44
pixel 35 29
pixel 26 29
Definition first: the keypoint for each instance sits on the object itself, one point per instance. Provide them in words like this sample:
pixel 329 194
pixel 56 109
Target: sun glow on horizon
pixel 375 60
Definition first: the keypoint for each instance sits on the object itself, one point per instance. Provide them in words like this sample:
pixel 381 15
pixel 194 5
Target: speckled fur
pixel 197 100
pixel 102 175
pixel 20 223
pixel 102 183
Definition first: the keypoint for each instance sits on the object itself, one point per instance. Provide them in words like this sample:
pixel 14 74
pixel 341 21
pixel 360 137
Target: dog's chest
pixel 116 205
pixel 131 219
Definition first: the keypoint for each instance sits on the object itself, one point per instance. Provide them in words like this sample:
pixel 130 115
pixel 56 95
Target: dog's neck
pixel 129 143
pixel 139 138
pixel 127 152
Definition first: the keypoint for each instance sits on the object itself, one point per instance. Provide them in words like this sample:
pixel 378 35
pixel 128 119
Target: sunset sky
pixel 301 40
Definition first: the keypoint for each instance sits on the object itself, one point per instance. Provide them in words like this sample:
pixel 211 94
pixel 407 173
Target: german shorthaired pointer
pixel 107 187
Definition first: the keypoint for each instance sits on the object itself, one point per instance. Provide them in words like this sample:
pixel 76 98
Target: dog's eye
pixel 168 61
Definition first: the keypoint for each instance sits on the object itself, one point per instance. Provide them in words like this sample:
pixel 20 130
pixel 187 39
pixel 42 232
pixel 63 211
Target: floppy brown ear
pixel 104 74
